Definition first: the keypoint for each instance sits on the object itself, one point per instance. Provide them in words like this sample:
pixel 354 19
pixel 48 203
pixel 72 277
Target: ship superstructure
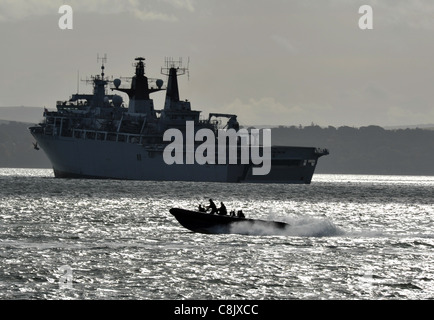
pixel 98 135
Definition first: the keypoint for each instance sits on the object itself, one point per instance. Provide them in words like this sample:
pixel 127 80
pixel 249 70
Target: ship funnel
pixel 172 92
pixel 173 69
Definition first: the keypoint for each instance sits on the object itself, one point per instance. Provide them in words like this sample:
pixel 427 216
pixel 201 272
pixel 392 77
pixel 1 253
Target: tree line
pixel 16 147
pixel 364 150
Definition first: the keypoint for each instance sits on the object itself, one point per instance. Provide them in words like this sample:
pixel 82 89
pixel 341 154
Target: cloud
pixel 399 115
pixel 269 111
pixel 181 4
pixel 12 10
pixel 284 43
pixel 416 14
pixel 152 16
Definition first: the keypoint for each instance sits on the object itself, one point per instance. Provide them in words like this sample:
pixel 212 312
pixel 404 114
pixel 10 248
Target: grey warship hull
pixel 95 159
pixel 95 136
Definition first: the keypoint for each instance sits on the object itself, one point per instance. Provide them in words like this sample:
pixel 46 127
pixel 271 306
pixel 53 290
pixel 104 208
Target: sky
pixel 274 62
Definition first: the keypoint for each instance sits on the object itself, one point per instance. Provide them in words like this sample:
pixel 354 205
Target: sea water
pixel 351 237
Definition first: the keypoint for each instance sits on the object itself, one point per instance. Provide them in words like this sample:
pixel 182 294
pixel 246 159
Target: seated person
pixel 240 214
pixel 222 209
pixel 212 206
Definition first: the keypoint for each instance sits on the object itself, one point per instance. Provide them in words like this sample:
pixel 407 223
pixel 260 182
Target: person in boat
pixel 232 213
pixel 240 214
pixel 201 209
pixel 222 209
pixel 212 206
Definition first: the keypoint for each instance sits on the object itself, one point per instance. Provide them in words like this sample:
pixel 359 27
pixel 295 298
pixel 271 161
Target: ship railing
pixel 155 148
pixel 53 124
pixel 69 104
pixel 50 116
pixel 322 151
pixel 107 136
pixel 214 124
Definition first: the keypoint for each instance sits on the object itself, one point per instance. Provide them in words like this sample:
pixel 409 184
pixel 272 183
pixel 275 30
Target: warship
pixel 99 136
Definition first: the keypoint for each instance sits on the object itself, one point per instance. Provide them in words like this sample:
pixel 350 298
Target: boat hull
pixel 95 159
pixel 224 224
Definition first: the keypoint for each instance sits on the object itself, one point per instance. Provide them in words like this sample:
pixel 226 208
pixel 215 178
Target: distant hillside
pixel 429 126
pixel 21 114
pixel 16 147
pixel 365 150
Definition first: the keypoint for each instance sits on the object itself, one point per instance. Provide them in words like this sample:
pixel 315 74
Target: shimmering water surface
pixel 351 237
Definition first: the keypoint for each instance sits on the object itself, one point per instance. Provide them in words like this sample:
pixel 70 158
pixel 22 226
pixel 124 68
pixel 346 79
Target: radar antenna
pixel 103 60
pixel 188 69
pixel 176 64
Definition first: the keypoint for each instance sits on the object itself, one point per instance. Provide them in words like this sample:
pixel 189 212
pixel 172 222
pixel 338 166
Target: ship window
pixel 312 162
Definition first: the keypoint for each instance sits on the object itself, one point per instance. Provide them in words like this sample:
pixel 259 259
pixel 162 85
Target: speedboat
pixel 204 222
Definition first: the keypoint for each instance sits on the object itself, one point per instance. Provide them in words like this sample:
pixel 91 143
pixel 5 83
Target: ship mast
pixel 99 82
pixel 103 60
